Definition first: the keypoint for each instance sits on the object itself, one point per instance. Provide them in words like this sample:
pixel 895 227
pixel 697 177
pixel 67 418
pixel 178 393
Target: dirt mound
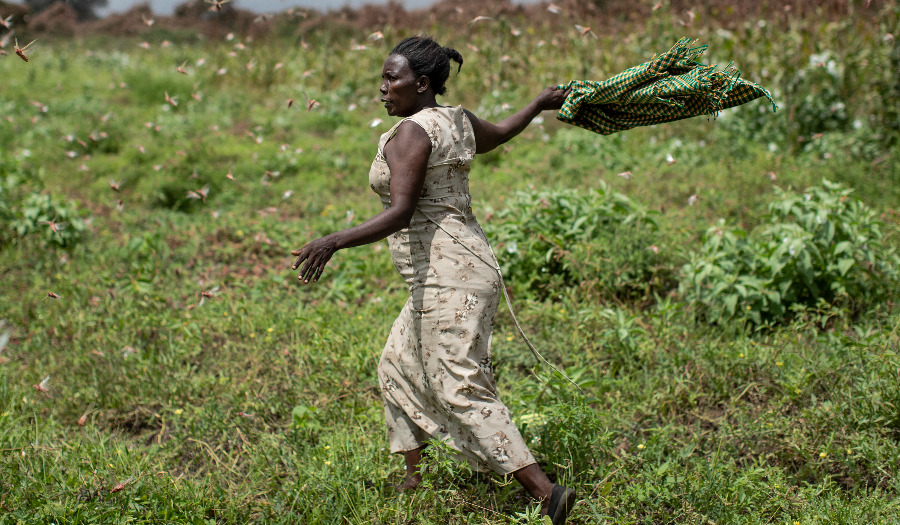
pixel 607 14
pixel 60 19
pixel 20 13
pixel 135 21
pixel 193 16
pixel 198 17
pixel 214 23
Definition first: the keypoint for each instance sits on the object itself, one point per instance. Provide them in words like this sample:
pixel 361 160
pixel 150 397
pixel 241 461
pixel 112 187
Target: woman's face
pixel 400 88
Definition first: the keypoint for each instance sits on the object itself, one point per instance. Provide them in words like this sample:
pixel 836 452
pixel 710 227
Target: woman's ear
pixel 422 84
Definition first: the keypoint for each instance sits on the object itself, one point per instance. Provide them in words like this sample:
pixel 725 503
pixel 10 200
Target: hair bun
pixel 454 55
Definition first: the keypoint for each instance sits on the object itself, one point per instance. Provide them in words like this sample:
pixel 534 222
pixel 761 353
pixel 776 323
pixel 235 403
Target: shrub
pixel 815 106
pixel 549 240
pixel 818 247
pixel 815 92
pixel 26 211
pixel 577 437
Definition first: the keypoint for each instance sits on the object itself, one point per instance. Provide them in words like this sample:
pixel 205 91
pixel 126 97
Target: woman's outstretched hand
pixel 316 254
pixel 551 98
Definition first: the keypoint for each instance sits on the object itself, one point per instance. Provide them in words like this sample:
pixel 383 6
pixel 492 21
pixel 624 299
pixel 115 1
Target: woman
pixel 435 373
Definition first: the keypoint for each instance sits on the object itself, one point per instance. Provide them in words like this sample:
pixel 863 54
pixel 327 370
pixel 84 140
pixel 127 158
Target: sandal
pixel 562 499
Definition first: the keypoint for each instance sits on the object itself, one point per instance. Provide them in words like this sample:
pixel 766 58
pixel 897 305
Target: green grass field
pixel 191 379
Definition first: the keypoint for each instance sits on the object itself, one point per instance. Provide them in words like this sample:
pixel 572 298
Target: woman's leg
pixel 413 476
pixel 536 483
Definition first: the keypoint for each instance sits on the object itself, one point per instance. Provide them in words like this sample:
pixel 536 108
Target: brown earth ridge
pixel 607 16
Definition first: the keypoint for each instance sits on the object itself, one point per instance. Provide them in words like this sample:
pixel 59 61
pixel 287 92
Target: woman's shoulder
pixel 446 118
pixel 450 132
pixel 436 112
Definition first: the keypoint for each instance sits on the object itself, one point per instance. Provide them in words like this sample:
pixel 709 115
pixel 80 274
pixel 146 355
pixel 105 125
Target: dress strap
pixel 389 135
pixel 496 267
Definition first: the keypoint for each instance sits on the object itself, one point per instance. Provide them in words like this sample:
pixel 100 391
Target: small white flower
pixel 816 59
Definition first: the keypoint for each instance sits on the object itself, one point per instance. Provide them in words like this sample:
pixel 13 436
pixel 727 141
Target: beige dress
pixel 435 373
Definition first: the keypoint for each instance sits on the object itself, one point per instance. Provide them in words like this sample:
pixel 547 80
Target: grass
pixel 260 404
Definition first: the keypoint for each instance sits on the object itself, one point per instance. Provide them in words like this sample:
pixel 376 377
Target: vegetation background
pixel 723 290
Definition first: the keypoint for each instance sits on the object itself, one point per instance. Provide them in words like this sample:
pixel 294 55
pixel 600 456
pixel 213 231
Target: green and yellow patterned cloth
pixel 671 86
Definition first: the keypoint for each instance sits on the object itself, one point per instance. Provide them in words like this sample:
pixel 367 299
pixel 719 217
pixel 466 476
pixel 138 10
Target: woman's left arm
pixel 488 135
pixel 407 157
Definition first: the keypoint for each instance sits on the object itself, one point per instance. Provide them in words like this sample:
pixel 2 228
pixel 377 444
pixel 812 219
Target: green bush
pixel 817 111
pixel 819 248
pixel 26 211
pixel 550 240
pixel 575 436
pixel 818 102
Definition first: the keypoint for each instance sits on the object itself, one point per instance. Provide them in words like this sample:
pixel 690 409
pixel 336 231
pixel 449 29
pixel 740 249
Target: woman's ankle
pixel 410 483
pixel 535 482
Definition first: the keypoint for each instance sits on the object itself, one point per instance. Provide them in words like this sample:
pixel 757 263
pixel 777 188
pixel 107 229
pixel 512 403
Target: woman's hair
pixel 427 57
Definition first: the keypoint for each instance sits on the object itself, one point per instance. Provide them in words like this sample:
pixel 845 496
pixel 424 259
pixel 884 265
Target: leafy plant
pixel 26 211
pixel 441 470
pixel 549 240
pixel 819 106
pixel 575 436
pixel 819 246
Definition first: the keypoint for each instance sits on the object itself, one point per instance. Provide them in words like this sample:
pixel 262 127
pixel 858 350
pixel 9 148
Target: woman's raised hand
pixel 551 98
pixel 316 254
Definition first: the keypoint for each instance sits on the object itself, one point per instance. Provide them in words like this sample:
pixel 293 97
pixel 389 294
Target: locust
pixel 21 50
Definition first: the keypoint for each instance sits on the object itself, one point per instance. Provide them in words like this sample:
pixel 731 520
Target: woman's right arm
pixel 488 135
pixel 407 158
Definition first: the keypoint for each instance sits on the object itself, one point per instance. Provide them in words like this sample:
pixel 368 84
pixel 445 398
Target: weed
pixel 26 211
pixel 551 240
pixel 820 249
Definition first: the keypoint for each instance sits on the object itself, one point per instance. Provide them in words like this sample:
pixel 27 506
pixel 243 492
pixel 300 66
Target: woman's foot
pixel 410 483
pixel 560 504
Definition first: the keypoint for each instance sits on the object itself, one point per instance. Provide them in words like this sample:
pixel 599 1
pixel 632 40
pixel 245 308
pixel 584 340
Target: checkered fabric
pixel 671 86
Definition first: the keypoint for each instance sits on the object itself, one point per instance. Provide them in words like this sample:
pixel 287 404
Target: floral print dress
pixel 435 373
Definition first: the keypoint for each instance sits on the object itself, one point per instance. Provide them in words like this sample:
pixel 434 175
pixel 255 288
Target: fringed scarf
pixel 671 86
